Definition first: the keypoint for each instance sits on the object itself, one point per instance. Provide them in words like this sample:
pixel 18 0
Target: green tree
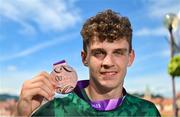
pixel 174 66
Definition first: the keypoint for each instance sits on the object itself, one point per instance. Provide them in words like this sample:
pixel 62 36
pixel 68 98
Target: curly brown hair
pixel 107 25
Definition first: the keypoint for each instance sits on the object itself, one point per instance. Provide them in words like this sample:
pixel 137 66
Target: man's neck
pixel 95 93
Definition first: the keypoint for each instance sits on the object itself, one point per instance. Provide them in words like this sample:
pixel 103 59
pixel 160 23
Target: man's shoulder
pixel 140 106
pixel 131 99
pixel 61 105
pixel 64 100
pixel 48 108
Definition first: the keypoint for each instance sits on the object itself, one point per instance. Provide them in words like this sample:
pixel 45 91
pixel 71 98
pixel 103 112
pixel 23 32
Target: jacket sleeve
pixel 45 110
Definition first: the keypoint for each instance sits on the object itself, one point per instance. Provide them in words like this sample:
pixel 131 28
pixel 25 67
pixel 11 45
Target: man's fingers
pixel 36 91
pixel 44 77
pixel 45 74
pixel 43 87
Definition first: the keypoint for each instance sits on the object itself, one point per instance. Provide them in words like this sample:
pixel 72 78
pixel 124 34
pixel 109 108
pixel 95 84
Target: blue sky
pixel 36 33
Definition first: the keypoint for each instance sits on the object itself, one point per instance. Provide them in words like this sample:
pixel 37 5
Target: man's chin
pixel 108 84
pixel 108 78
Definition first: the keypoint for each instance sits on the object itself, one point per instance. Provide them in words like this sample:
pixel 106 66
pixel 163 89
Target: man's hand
pixel 33 92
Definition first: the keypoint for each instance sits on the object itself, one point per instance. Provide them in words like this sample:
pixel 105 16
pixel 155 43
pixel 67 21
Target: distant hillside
pixel 152 95
pixel 7 96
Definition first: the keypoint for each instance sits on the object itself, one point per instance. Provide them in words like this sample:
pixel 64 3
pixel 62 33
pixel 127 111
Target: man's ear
pixel 84 58
pixel 131 58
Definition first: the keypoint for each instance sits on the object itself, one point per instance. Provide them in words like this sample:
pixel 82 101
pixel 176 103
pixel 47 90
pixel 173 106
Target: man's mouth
pixel 109 73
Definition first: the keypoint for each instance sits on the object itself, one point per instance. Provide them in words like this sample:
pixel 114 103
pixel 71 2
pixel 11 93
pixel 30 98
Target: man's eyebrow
pixel 97 49
pixel 121 49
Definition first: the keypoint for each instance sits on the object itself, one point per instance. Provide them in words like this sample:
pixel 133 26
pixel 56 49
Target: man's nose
pixel 108 61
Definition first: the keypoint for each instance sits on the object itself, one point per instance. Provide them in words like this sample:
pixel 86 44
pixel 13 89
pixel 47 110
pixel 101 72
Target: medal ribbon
pixel 102 105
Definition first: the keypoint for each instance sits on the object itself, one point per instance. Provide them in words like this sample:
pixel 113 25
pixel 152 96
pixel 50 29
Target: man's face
pixel 108 62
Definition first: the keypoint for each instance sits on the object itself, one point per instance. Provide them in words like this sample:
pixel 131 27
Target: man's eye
pixel 119 53
pixel 99 54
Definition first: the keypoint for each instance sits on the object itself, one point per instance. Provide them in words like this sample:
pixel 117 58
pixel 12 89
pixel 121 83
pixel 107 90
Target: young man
pixel 107 52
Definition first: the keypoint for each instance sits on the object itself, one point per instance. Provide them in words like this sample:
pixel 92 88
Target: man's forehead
pixel 96 39
pixel 119 42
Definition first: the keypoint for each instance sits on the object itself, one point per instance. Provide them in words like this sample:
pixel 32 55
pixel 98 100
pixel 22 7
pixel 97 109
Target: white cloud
pixel 47 15
pixel 38 47
pixel 160 31
pixel 147 57
pixel 11 68
pixel 158 8
pixel 11 83
pixel 10 10
pixel 12 91
pixel 27 29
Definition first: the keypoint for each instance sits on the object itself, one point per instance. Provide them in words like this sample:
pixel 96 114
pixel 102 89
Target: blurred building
pixel 164 105
pixel 7 107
